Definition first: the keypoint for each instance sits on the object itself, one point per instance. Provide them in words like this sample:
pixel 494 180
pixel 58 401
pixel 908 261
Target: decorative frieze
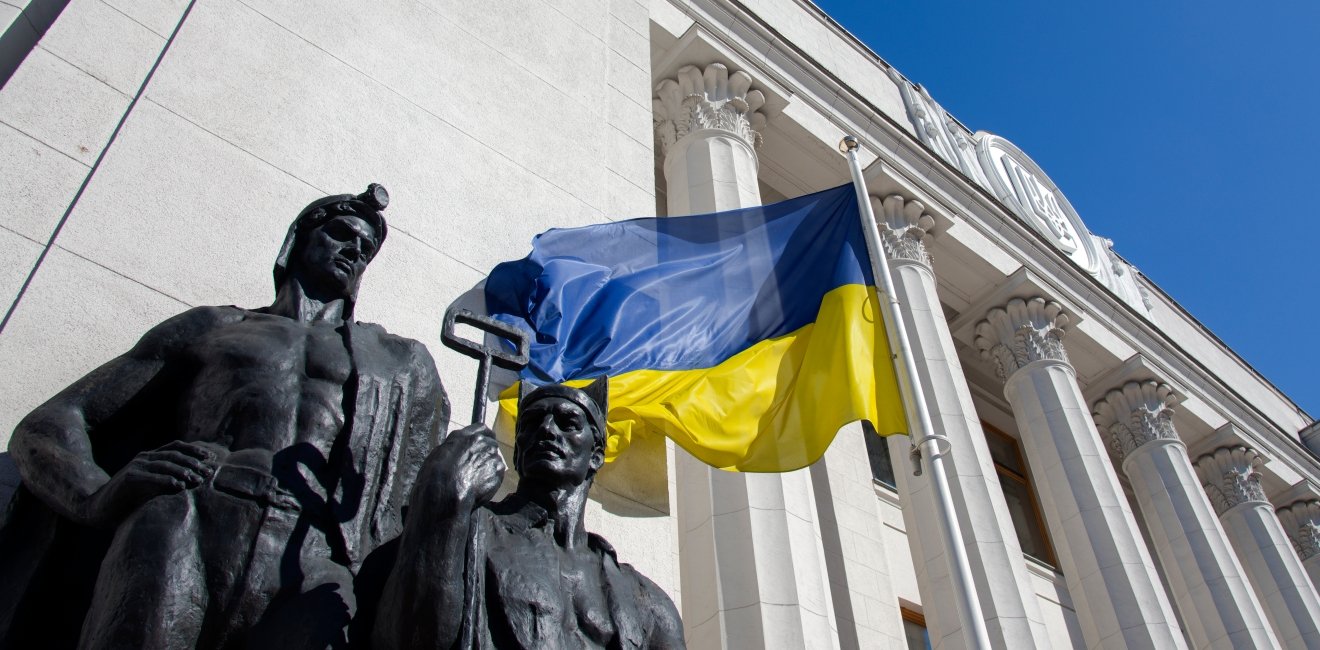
pixel 903 225
pixel 1122 278
pixel 938 130
pixel 1020 332
pixel 1301 521
pixel 1135 414
pixel 712 98
pixel 1231 477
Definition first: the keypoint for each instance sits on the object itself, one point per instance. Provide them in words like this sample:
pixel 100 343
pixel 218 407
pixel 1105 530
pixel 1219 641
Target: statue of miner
pixel 245 460
pixel 521 573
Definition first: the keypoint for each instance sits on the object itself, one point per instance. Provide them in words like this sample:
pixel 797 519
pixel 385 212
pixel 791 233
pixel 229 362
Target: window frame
pixel 915 618
pixel 868 431
pixel 1025 481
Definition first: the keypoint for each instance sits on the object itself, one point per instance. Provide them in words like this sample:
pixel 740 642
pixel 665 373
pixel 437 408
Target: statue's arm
pixel 423 602
pixel 426 421
pixel 53 446
pixel 665 627
pixel 431 408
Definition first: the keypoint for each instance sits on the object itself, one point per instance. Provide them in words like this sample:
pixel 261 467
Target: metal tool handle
pixel 485 354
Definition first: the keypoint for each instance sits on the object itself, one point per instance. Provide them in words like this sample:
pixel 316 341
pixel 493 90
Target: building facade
pixel 1123 479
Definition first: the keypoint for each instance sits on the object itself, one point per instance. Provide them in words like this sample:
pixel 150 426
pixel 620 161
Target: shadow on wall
pixel 26 26
pixel 8 481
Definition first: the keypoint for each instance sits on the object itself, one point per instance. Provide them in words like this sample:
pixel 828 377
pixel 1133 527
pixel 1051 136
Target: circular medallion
pixel 1024 188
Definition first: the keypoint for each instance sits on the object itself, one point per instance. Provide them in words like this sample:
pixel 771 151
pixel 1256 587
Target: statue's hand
pixel 465 470
pixel 172 468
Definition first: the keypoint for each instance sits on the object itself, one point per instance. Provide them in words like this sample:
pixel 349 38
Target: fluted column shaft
pixel 751 564
pixel 1111 578
pixel 1219 608
pixel 1301 522
pixel 1232 481
pixel 1008 600
pixel 866 609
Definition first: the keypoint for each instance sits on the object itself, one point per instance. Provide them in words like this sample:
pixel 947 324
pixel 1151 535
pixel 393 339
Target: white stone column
pixel 1219 609
pixel 1232 481
pixel 866 610
pixel 1119 600
pixel 1009 602
pixel 751 563
pixel 1301 522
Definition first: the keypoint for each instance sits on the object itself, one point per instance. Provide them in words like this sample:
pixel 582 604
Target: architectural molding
pixel 1227 435
pixel 1020 332
pixel 1301 521
pixel 1310 437
pixel 1135 414
pixel 1139 368
pixel 1231 477
pixel 903 225
pixel 710 98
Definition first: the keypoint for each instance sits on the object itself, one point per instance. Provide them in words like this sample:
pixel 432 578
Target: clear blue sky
pixel 1184 131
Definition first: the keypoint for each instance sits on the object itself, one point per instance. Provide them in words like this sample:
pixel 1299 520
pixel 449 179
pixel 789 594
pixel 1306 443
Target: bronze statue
pixel 240 464
pixel 522 572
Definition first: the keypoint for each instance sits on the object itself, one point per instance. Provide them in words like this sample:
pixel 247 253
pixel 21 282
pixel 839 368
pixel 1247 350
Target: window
pixel 877 451
pixel 914 630
pixel 1022 506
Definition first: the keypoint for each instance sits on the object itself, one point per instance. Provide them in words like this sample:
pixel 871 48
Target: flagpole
pixel 926 440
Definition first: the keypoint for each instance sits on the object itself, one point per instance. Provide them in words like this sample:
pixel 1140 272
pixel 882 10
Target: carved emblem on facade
pixel 713 98
pixel 1021 332
pixel 1231 477
pixel 1027 191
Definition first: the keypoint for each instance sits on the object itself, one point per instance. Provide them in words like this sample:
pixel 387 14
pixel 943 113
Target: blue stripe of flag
pixel 678 293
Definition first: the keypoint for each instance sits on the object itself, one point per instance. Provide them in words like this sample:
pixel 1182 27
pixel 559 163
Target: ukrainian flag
pixel 748 337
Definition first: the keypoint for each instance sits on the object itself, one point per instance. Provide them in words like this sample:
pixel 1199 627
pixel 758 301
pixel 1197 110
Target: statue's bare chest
pixel 270 347
pixel 552 597
pixel 268 382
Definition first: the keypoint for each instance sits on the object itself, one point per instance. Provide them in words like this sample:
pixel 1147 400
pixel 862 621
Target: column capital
pixel 1301 521
pixel 709 98
pixel 1020 332
pixel 1134 414
pixel 1231 477
pixel 903 225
